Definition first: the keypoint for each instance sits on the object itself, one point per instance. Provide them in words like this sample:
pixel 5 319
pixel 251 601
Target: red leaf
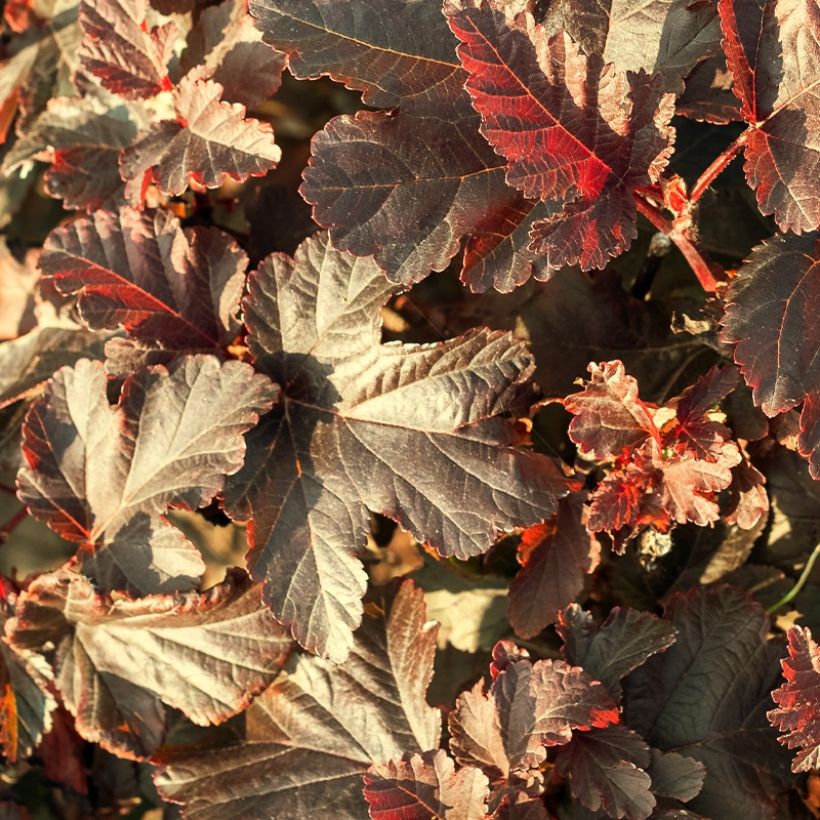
pixel 425 787
pixel 118 47
pixel 798 701
pixel 207 654
pixel 208 142
pixel 555 557
pixel 776 72
pixel 176 290
pixel 575 132
pixel 609 416
pixel 808 441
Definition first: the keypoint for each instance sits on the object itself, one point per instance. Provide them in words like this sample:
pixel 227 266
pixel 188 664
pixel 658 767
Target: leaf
pixel 102 476
pixel 504 730
pixel 352 413
pixel 808 442
pixel 798 701
pixel 609 415
pixel 209 141
pixel 606 768
pixel 405 186
pixel 555 557
pixel 421 787
pixel 706 698
pixel 610 651
pixel 668 37
pixel 308 739
pixel 225 45
pixel 575 132
pixel 170 288
pixel 26 705
pixel 206 654
pixel 28 361
pixel 83 139
pixel 18 292
pixel 118 47
pixel 776 344
pixel 675 776
pixel 708 95
pixel 776 71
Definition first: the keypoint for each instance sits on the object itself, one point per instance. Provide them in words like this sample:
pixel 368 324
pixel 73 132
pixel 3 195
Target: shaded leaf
pixel 206 654
pixel 606 768
pixel 675 776
pixel 308 739
pixel 421 787
pixel 776 343
pixel 706 697
pixel 555 557
pixel 209 141
pixel 776 71
pixel 353 412
pixel 407 186
pixel 575 132
pixel 102 476
pixel 610 651
pixel 798 701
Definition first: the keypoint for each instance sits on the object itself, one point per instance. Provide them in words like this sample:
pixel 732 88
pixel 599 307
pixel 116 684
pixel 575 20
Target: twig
pixel 799 584
pixel 717 167
pixel 11 525
pixel 4 488
pixel 700 267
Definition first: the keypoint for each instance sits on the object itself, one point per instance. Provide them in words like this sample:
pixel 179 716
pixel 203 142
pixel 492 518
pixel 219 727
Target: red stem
pixel 11 525
pixel 718 166
pixel 700 267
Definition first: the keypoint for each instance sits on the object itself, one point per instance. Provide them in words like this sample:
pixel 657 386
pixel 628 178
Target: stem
pixel 717 167
pixel 11 525
pixel 800 583
pixel 699 265
pixel 4 488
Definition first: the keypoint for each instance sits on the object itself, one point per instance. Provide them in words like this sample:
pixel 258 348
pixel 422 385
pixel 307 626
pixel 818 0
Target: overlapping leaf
pixel 504 729
pixel 773 52
pixel 102 476
pixel 555 557
pixel 706 698
pixel 576 132
pixel 768 317
pixel 209 141
pixel 119 663
pixel 173 290
pixel 409 185
pixel 798 701
pixel 310 737
pixel 353 413
pixel 421 787
pixel 118 47
pixel 607 770
pixel 609 651
pixel 26 705
pixel 669 37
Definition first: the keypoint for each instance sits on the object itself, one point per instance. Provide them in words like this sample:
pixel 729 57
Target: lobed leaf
pixel 798 701
pixel 206 654
pixel 312 735
pixel 102 476
pixel 575 132
pixel 353 411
